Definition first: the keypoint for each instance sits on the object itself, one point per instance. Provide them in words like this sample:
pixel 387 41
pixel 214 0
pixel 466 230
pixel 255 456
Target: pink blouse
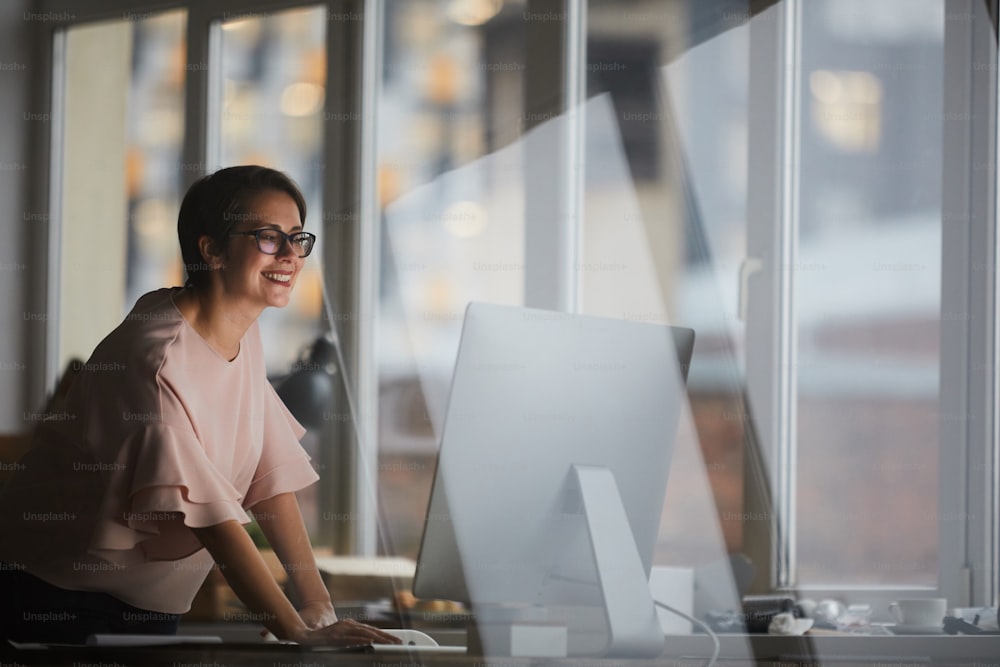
pixel 160 434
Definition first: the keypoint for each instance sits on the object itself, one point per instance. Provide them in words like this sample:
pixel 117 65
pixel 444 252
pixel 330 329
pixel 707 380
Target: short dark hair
pixel 216 203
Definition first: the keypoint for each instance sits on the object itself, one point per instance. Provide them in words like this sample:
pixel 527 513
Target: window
pixel 126 157
pixel 862 409
pixel 451 208
pixel 119 182
pixel 867 293
pixel 129 153
pixel 810 185
pixel 778 185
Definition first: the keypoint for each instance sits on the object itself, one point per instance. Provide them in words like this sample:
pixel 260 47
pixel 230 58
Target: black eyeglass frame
pixel 286 239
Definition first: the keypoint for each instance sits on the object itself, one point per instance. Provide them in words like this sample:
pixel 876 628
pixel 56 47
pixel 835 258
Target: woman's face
pixel 251 275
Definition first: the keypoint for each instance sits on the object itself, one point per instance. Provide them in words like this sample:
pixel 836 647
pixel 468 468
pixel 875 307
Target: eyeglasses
pixel 271 241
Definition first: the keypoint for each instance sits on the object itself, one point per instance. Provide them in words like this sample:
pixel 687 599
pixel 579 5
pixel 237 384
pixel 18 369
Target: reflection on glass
pixel 665 230
pixel 665 233
pixel 449 105
pixel 273 73
pixel 868 293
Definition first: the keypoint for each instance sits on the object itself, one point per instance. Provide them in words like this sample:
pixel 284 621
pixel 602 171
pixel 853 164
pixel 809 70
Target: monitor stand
pixel 499 630
pixel 633 626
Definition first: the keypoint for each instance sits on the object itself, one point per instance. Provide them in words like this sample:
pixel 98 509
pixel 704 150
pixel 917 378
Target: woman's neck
pixel 220 321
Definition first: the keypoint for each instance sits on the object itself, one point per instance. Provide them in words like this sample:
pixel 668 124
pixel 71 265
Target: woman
pixel 170 432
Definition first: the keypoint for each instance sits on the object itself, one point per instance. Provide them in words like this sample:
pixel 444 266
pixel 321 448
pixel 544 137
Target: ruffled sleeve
pixel 161 486
pixel 284 466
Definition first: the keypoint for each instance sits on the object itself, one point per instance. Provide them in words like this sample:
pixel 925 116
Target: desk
pixel 690 651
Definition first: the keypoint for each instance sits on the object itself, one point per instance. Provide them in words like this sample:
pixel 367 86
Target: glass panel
pixel 665 230
pixel 451 195
pixel 273 77
pixel 122 130
pixel 868 293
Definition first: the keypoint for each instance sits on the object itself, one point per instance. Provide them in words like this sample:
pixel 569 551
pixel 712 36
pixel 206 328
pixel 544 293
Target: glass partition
pixel 665 229
pixel 665 239
pixel 450 192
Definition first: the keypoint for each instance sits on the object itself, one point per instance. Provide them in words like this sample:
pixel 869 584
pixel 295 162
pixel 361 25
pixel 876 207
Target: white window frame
pixel 968 386
pixel 771 206
pixel 553 230
pixel 969 287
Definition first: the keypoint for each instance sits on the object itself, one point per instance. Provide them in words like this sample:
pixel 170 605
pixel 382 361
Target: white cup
pixel 922 612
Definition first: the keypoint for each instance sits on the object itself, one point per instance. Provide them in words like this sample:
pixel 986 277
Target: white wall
pixel 93 230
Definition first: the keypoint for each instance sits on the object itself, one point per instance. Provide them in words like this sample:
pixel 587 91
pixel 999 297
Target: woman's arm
pixel 280 519
pixel 251 580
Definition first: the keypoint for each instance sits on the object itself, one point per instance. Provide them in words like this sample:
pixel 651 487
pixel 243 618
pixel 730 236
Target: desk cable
pixel 715 639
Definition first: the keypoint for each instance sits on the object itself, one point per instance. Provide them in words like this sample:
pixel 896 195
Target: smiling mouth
pixel 280 278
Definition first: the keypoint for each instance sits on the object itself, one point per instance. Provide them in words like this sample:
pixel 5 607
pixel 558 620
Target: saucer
pixel 916 629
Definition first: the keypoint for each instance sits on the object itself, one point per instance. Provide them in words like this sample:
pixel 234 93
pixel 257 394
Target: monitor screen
pixel 552 469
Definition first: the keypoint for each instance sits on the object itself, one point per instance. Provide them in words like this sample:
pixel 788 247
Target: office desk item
pixel 958 625
pixel 551 479
pixel 984 618
pixel 122 640
pixel 760 610
pixel 919 612
pixel 414 641
pixel 788 625
pixel 675 584
pixel 150 640
pixel 953 651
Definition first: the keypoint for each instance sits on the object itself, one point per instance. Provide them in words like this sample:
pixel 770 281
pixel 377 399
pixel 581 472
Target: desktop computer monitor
pixel 552 472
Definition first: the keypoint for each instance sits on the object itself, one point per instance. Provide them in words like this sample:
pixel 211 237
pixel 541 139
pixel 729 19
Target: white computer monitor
pixel 552 472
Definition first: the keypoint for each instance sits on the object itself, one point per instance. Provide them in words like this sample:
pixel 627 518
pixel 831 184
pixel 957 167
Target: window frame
pixel 768 292
pixel 968 241
pixel 555 87
pixel 968 393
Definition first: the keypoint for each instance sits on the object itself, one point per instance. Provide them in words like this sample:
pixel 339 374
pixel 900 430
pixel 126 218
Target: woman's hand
pixel 346 633
pixel 318 615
